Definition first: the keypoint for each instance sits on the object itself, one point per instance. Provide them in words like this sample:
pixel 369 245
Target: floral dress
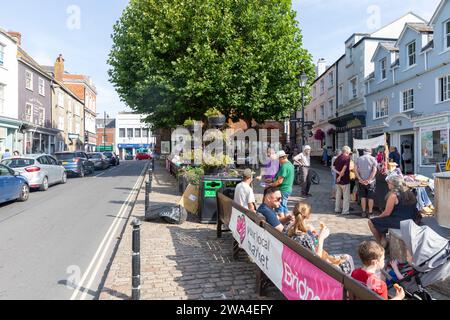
pixel 310 241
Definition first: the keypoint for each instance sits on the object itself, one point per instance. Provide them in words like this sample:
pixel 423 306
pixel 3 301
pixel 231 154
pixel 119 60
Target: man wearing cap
pixel 366 171
pixel 243 193
pixel 304 160
pixel 284 180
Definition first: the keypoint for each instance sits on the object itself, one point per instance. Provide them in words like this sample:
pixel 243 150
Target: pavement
pixel 188 262
pixel 64 238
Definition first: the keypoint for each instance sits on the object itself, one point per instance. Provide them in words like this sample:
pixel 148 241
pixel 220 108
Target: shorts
pixel 284 203
pixel 367 192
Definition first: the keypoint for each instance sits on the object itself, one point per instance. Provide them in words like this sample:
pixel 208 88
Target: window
pixel 121 133
pixel 341 95
pixel 383 69
pixel 331 79
pixel 349 55
pixel 77 128
pixel 331 108
pixel 137 133
pixel 2 98
pixel 29 80
pixel 41 87
pixel 2 54
pixel 70 123
pixel 381 108
pixel 411 48
pixel 354 88
pixel 61 123
pixel 129 133
pixel 434 145
pixel 41 118
pixel 407 100
pixel 322 112
pixel 145 133
pixel 322 86
pixel 29 112
pixel 444 89
pixel 447 37
pixel 315 115
pixel 314 93
pixel 60 99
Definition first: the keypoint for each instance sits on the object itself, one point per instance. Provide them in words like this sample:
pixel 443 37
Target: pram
pixel 430 260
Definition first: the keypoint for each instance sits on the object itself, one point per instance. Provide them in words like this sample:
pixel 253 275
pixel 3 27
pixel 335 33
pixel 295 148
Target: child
pixel 372 257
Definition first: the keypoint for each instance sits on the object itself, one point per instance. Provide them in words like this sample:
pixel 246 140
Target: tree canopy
pixel 173 60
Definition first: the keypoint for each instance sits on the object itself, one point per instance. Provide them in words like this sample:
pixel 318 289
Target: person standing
pixel 342 168
pixel 284 180
pixel 304 161
pixel 333 173
pixel 325 156
pixel 366 171
pixel 6 155
pixel 270 168
pixel 243 194
pixel 394 155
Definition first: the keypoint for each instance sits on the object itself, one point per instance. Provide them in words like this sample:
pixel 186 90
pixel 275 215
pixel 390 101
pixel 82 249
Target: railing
pixel 315 272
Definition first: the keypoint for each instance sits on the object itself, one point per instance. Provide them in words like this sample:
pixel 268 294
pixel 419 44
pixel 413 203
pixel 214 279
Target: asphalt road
pixel 57 245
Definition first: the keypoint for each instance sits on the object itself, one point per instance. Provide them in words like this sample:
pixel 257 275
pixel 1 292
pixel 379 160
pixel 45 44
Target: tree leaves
pixel 173 60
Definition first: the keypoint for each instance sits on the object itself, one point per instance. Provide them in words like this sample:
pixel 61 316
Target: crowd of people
pixel 348 169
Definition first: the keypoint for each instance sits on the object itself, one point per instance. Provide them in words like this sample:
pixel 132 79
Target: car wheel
pixel 44 185
pixel 82 173
pixel 64 178
pixel 25 193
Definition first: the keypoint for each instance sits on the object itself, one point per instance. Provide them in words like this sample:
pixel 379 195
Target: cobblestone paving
pixel 187 261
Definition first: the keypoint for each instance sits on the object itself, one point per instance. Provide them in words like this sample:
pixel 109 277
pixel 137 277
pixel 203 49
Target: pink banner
pixel 303 281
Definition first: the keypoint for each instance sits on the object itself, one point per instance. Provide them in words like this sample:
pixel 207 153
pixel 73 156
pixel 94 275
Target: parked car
pixel 41 170
pixel 13 186
pixel 112 158
pixel 99 159
pixel 143 156
pixel 76 163
pixel 129 157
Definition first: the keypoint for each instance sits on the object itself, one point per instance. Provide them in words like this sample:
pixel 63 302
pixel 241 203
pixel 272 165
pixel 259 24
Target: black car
pixel 76 163
pixel 112 158
pixel 99 159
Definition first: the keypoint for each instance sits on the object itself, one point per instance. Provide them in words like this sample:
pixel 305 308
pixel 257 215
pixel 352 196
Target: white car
pixel 41 170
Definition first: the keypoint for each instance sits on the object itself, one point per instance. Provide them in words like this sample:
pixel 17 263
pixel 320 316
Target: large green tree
pixel 174 59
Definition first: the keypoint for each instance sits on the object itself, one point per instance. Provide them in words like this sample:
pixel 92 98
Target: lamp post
pixel 104 131
pixel 302 82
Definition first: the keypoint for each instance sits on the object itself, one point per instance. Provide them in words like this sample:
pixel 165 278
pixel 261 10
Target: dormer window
pixel 349 55
pixel 322 86
pixel 383 64
pixel 447 34
pixel 411 49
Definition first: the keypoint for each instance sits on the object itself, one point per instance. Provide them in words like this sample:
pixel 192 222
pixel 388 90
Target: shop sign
pixel 355 123
pixel 431 122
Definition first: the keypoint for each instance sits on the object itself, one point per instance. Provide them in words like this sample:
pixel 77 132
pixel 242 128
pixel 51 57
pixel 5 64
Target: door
pixel 55 169
pixel 45 166
pixel 9 185
pixel 407 153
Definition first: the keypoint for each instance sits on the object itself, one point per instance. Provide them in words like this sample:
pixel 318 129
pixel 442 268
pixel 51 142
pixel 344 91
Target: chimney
pixel 16 36
pixel 59 68
pixel 321 67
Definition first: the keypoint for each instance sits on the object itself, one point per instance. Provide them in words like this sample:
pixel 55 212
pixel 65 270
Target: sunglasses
pixel 278 199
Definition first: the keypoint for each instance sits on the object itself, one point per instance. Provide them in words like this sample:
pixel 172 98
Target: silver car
pixel 41 170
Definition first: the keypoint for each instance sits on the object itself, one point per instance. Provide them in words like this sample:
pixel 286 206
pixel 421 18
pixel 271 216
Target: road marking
pixel 102 249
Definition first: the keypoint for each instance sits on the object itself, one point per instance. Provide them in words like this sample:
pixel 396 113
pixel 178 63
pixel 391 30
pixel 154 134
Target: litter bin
pixel 209 187
pixel 442 194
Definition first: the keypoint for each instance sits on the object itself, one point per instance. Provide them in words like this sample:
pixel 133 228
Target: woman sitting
pixel 400 205
pixel 307 236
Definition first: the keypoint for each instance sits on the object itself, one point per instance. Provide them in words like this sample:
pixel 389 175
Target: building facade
pixel 408 94
pixel 106 134
pixel 10 136
pixel 132 134
pixel 35 106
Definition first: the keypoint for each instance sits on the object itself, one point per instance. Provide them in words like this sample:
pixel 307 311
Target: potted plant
pixel 215 117
pixel 319 135
pixel 189 124
pixel 331 131
pixel 214 165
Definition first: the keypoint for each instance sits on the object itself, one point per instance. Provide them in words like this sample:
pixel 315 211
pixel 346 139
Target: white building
pixel 9 108
pixel 132 134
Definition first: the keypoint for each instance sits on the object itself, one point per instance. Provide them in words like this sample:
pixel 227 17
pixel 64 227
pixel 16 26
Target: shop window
pixel 434 146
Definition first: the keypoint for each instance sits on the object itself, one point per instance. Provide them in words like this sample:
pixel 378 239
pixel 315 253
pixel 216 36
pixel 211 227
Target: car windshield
pixel 65 156
pixel 18 163
pixel 108 154
pixel 95 156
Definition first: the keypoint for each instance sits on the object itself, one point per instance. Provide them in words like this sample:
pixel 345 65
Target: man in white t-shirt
pixel 243 194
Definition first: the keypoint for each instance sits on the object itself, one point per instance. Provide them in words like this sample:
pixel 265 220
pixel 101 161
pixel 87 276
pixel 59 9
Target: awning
pixel 349 121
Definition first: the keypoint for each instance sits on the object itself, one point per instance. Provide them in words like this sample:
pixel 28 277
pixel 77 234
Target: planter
pixel 213 171
pixel 217 121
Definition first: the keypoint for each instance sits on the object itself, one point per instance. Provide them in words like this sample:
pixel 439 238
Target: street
pixel 57 245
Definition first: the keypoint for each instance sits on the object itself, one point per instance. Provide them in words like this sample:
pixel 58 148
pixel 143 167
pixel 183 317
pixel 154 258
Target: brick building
pixel 106 134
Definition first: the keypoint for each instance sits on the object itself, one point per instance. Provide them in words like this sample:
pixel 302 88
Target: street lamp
pixel 104 131
pixel 302 82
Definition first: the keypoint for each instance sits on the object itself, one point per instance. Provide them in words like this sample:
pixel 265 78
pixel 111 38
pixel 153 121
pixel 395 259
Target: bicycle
pixel 315 178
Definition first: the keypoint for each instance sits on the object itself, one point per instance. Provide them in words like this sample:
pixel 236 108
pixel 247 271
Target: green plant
pixel 193 175
pixel 189 122
pixel 213 112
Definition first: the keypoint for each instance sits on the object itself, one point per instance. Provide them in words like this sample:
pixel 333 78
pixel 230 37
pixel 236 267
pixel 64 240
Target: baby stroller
pixel 430 263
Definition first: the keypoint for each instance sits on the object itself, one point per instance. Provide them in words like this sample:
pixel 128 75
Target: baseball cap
pixel 248 173
pixel 281 154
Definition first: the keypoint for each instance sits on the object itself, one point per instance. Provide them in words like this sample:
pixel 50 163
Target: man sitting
pixel 272 200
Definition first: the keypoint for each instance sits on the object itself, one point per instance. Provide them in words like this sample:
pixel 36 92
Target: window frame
pixel 2 55
pixel 136 130
pixel 383 69
pixel 443 90
pixel 2 97
pixel 28 72
pixel 354 90
pixel 41 85
pixel 447 34
pixel 124 133
pixel 378 105
pixel 402 100
pixel 29 117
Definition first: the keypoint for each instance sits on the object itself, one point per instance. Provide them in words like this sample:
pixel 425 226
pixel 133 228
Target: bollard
pixel 147 195
pixel 136 260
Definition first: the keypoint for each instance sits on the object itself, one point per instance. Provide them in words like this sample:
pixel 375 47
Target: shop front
pixel 40 140
pixel 349 127
pixel 129 151
pixel 10 136
pixel 432 141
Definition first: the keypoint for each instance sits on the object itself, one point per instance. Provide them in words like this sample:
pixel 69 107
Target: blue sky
pixel 50 27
